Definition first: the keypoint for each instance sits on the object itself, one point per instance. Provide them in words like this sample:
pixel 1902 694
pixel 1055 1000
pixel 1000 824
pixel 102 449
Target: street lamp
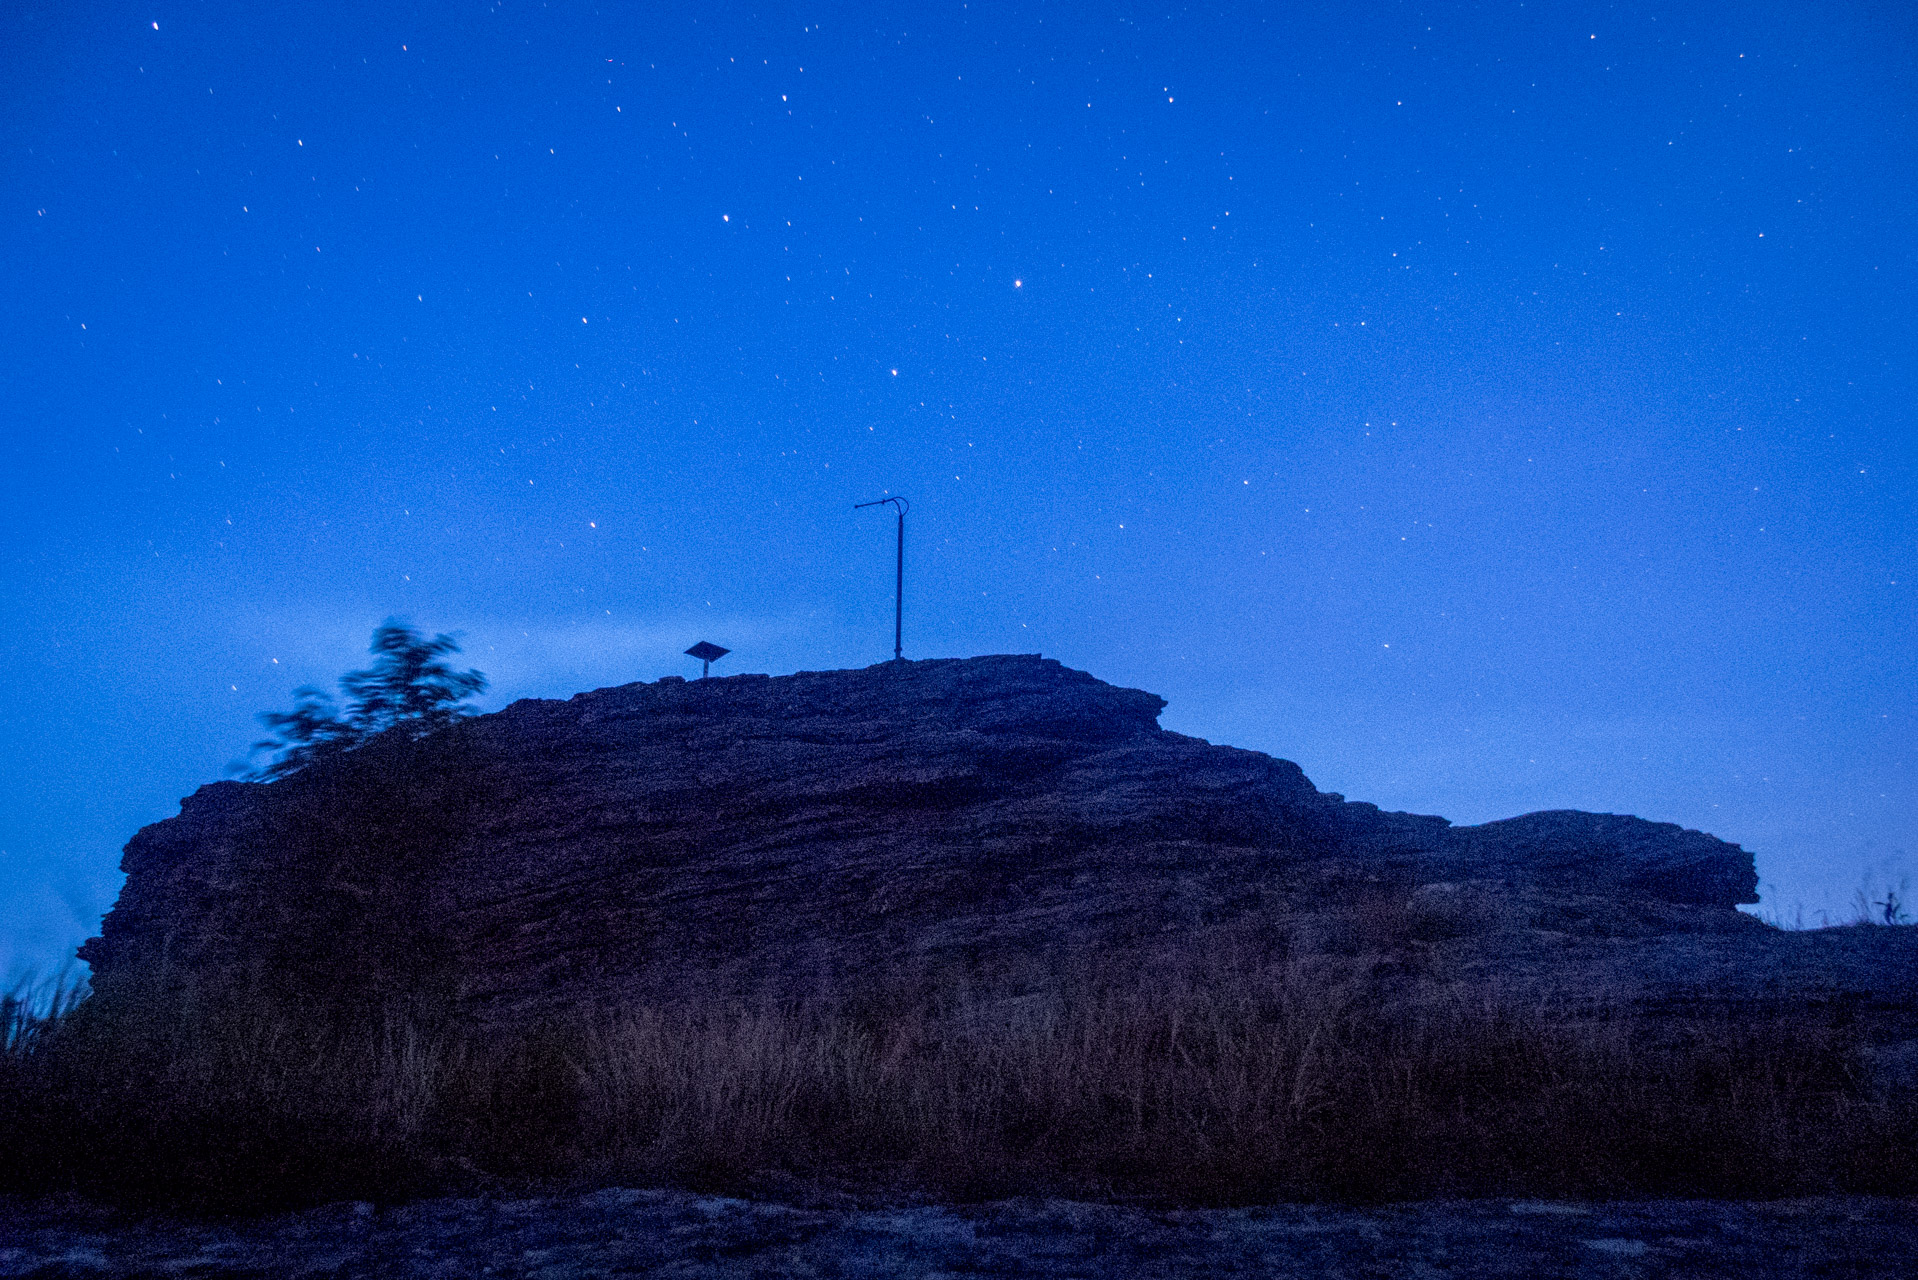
pixel 899 570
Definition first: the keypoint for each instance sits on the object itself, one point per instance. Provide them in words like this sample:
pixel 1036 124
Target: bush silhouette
pixel 410 688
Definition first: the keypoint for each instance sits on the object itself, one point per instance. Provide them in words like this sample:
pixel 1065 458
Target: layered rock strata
pixel 843 827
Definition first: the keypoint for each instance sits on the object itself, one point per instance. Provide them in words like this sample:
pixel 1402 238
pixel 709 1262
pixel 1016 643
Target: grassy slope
pixel 1237 1081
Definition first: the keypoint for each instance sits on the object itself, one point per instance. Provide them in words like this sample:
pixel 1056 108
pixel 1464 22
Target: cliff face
pixel 830 824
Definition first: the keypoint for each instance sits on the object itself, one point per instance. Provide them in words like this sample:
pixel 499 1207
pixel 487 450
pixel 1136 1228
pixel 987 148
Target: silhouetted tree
pixel 409 684
pixel 309 732
pixel 409 687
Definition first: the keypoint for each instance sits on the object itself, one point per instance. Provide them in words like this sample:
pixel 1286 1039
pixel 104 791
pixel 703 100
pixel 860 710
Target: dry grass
pixel 1239 1083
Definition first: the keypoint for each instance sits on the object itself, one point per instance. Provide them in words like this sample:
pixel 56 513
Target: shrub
pixel 1181 1084
pixel 409 688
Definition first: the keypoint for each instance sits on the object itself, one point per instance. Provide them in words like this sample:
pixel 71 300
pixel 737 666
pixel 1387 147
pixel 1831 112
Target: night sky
pixel 1491 407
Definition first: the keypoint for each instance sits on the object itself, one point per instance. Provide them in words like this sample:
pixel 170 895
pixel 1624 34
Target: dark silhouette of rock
pixel 845 826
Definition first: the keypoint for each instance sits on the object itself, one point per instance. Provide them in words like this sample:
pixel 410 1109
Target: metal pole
pixel 899 572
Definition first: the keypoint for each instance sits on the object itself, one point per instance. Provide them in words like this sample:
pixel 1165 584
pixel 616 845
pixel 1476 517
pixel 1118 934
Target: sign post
pixel 707 653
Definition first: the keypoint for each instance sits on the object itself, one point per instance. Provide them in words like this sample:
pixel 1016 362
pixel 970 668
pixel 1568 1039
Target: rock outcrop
pixel 833 826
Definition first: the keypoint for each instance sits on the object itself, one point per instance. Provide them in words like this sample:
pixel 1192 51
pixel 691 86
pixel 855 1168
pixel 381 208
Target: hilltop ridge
pixel 771 832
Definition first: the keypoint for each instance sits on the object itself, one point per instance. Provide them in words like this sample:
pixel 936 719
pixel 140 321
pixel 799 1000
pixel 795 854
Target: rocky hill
pixel 846 827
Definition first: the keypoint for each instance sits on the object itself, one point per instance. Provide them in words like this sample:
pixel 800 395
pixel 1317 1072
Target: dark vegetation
pixel 409 687
pixel 1235 1082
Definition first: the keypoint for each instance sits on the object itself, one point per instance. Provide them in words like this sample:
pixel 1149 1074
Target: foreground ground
pixel 627 1232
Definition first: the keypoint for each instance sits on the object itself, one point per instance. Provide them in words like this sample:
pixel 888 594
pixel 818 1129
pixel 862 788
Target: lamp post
pixel 899 569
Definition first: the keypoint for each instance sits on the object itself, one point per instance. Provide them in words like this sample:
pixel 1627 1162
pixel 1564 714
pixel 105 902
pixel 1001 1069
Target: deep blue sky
pixel 1491 407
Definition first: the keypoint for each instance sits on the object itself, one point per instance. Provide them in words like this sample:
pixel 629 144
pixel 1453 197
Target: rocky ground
pixel 629 1232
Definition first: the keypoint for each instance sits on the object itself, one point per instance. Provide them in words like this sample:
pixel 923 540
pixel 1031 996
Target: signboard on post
pixel 707 653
